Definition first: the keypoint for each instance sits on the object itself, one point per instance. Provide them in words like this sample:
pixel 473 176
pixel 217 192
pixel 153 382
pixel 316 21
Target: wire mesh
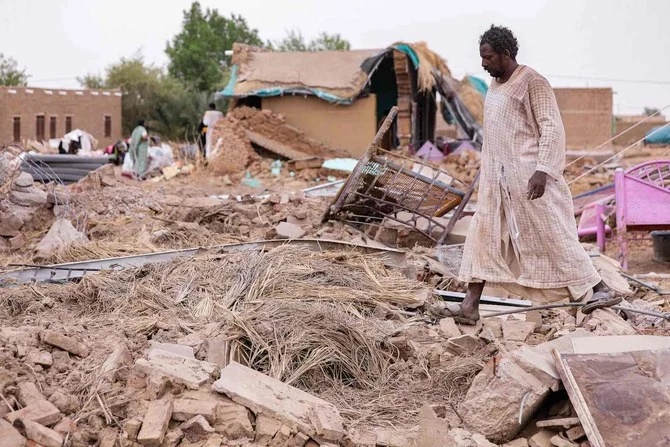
pixel 392 186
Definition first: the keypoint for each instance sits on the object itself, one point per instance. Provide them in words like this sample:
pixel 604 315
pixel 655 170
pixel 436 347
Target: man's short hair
pixel 501 39
pixel 212 106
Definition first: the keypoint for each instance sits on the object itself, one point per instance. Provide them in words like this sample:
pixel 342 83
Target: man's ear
pixel 508 54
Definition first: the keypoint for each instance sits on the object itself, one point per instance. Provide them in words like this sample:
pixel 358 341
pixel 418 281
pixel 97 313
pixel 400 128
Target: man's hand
pixel 536 185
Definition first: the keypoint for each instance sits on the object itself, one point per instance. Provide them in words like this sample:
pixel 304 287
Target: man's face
pixel 492 62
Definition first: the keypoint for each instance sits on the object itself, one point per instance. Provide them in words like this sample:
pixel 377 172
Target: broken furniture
pixel 60 168
pixel 642 203
pixel 388 186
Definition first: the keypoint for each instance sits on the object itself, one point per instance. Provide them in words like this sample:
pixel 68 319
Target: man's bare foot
pixel 461 314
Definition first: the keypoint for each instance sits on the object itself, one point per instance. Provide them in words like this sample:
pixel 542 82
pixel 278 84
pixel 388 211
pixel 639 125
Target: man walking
pixel 523 236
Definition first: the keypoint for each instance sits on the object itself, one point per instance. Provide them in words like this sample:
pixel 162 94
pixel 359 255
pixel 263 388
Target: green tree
pixel 650 111
pixel 295 41
pixel 171 108
pixel 197 53
pixel 10 73
pixel 92 81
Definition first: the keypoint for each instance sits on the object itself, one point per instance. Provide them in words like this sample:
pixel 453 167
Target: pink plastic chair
pixel 642 203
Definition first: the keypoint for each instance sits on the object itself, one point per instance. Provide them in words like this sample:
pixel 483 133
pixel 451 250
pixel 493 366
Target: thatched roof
pixel 336 76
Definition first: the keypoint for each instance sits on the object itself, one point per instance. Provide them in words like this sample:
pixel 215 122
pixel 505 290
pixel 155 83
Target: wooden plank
pixel 561 422
pixel 578 401
pixel 275 146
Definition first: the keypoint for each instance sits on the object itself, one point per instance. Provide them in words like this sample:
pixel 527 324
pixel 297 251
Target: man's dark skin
pixel 502 67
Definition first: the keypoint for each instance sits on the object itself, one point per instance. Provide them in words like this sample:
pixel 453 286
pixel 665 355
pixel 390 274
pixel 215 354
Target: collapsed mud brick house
pixel 28 113
pixel 587 115
pixel 340 98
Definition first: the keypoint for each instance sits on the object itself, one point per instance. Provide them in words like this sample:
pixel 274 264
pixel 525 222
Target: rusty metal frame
pixel 381 162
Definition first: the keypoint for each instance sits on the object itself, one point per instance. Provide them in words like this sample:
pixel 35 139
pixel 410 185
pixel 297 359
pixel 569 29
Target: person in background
pixel 139 149
pixel 208 121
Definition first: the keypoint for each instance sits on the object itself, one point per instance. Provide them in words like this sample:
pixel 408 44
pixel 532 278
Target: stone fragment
pixel 132 428
pixel 185 409
pixel 121 358
pixel 449 328
pixel 464 344
pixel 174 437
pixel 38 433
pixel 65 426
pixel 521 442
pixel 296 408
pixel 266 429
pixel 61 236
pixel 108 438
pixel 10 436
pixel 287 230
pixel 190 372
pixel 65 343
pixel 155 423
pixel 517 331
pixel 27 393
pixel 43 412
pixel 31 196
pixel 541 439
pixel 233 420
pixel 170 349
pixel 196 429
pixel 575 433
pixel 66 403
pixel 558 441
pixel 24 180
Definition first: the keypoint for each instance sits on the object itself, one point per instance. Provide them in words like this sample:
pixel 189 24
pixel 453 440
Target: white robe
pixel 529 247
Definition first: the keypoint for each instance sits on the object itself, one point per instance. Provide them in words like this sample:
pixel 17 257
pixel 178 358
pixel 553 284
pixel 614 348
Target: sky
pixel 596 43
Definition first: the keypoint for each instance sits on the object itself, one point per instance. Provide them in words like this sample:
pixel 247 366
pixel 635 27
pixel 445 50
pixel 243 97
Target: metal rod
pixel 665 316
pixel 459 210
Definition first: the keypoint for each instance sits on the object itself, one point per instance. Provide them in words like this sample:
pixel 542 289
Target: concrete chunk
pixel 185 409
pixel 155 424
pixel 38 433
pixel 39 357
pixel 464 344
pixel 266 429
pixel 289 231
pixel 295 408
pixel 190 372
pixel 575 433
pixel 449 327
pixel 557 441
pixel 120 358
pixel 560 423
pixel 65 343
pixel 27 393
pixel 9 436
pixel 132 428
pixel 43 412
pixel 517 331
pixel 196 428
pixel 170 349
pixel 233 420
pixel 541 439
pixel 521 442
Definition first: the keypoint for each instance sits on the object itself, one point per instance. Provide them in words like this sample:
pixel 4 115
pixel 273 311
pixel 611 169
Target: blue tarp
pixel 479 84
pixel 658 135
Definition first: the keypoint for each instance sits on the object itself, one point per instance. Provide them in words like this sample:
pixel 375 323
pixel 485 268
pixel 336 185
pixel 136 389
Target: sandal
pixel 601 300
pixel 454 311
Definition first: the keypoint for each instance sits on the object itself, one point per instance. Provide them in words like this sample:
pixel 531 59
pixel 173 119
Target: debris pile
pixel 244 127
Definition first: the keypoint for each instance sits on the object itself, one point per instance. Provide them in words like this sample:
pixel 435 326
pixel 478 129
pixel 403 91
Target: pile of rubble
pixel 244 127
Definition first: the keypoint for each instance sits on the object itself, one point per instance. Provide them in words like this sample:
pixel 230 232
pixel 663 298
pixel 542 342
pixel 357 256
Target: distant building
pixel 586 114
pixel 28 113
pixel 340 98
pixel 634 127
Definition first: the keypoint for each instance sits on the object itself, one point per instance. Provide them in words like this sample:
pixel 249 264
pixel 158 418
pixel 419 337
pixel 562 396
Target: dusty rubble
pixel 290 345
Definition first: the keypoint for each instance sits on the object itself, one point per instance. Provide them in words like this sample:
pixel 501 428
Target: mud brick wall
pixel 87 110
pixel 586 114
